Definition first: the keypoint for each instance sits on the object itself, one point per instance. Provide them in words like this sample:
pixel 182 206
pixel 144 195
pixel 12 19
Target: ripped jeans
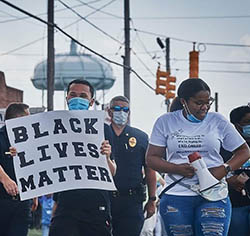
pixel 193 215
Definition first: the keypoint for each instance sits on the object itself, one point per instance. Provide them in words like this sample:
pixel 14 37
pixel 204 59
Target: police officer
pixel 14 214
pixel 130 147
pixel 83 212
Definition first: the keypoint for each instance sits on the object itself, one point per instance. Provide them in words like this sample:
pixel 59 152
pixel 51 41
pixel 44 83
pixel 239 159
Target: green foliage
pixel 34 232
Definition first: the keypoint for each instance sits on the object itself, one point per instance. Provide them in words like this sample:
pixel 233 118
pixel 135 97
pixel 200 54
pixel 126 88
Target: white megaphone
pixel 206 179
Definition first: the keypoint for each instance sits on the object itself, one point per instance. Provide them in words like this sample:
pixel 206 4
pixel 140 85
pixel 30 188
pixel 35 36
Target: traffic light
pixel 194 64
pixel 170 87
pixel 163 84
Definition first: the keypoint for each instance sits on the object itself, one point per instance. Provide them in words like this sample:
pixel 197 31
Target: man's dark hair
pixel 118 98
pixel 85 82
pixel 238 113
pixel 15 109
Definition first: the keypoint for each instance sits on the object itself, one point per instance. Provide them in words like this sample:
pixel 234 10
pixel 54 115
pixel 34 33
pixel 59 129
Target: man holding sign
pixel 14 214
pixel 82 212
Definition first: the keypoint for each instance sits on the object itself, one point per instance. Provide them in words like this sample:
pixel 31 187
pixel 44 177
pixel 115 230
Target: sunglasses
pixel 119 108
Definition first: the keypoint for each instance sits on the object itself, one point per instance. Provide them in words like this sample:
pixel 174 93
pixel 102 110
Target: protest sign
pixel 59 150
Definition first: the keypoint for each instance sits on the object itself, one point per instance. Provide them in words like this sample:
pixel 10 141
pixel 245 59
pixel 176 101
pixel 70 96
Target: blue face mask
pixel 190 116
pixel 193 119
pixel 78 103
pixel 246 131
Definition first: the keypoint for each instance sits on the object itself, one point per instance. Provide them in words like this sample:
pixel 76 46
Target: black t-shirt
pixel 237 198
pixel 78 202
pixel 6 160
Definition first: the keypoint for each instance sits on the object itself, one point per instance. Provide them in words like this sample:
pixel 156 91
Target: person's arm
pixel 240 156
pixel 154 159
pixel 151 183
pixel 34 204
pixel 9 185
pixel 106 150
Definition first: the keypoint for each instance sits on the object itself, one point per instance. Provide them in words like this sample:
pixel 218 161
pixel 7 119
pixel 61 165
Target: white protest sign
pixel 58 151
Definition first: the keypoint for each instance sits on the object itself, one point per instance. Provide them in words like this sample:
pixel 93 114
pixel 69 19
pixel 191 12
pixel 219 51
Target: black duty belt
pixel 127 192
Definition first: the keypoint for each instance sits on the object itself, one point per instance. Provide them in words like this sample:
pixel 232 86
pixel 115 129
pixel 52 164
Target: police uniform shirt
pixel 130 149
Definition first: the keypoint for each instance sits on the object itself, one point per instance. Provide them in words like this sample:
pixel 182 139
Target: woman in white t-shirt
pixel 180 133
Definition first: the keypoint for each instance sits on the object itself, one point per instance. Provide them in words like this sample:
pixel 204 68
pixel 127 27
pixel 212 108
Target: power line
pixel 77 42
pixel 45 13
pixel 214 62
pixel 189 17
pixel 104 12
pixel 216 71
pixel 37 40
pixel 83 18
pixel 189 41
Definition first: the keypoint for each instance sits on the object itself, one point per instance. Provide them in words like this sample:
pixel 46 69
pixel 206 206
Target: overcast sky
pixel 215 23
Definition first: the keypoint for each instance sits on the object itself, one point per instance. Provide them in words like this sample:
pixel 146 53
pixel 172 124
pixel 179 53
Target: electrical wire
pixel 77 42
pixel 104 12
pixel 189 41
pixel 37 40
pixel 189 17
pixel 83 18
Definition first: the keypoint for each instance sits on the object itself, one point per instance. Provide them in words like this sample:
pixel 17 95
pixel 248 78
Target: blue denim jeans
pixel 45 230
pixel 193 215
pixel 240 221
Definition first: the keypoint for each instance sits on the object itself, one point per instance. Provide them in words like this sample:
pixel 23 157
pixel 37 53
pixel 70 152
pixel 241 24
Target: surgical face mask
pixel 193 119
pixel 120 117
pixel 190 116
pixel 78 103
pixel 246 131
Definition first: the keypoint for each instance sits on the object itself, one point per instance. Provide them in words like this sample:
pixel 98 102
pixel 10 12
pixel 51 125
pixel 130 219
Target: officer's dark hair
pixel 189 88
pixel 238 113
pixel 118 98
pixel 85 82
pixel 15 109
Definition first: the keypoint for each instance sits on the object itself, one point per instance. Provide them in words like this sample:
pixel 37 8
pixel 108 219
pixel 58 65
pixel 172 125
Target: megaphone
pixel 206 179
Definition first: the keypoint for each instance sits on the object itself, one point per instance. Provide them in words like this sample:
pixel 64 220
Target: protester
pixel 238 181
pixel 150 223
pixel 47 203
pixel 130 147
pixel 83 211
pixel 14 214
pixel 184 209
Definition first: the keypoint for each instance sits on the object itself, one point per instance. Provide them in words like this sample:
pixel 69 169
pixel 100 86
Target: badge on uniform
pixel 132 142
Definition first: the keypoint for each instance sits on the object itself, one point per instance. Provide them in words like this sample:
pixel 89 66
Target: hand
pixel 150 208
pixel 186 170
pixel 10 186
pixel 13 151
pixel 235 183
pixel 106 148
pixel 34 204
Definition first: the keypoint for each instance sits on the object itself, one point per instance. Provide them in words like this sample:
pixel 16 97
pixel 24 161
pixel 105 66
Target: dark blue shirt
pixel 129 150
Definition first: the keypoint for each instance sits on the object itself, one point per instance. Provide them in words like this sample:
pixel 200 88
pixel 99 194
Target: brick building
pixel 8 94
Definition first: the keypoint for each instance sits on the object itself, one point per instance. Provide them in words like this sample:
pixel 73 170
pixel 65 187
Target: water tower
pixel 74 65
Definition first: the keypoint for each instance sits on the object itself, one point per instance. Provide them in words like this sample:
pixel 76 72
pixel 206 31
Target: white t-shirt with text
pixel 182 137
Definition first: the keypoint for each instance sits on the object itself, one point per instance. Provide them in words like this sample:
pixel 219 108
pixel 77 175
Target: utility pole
pixel 167 54
pixel 216 102
pixel 50 57
pixel 126 61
